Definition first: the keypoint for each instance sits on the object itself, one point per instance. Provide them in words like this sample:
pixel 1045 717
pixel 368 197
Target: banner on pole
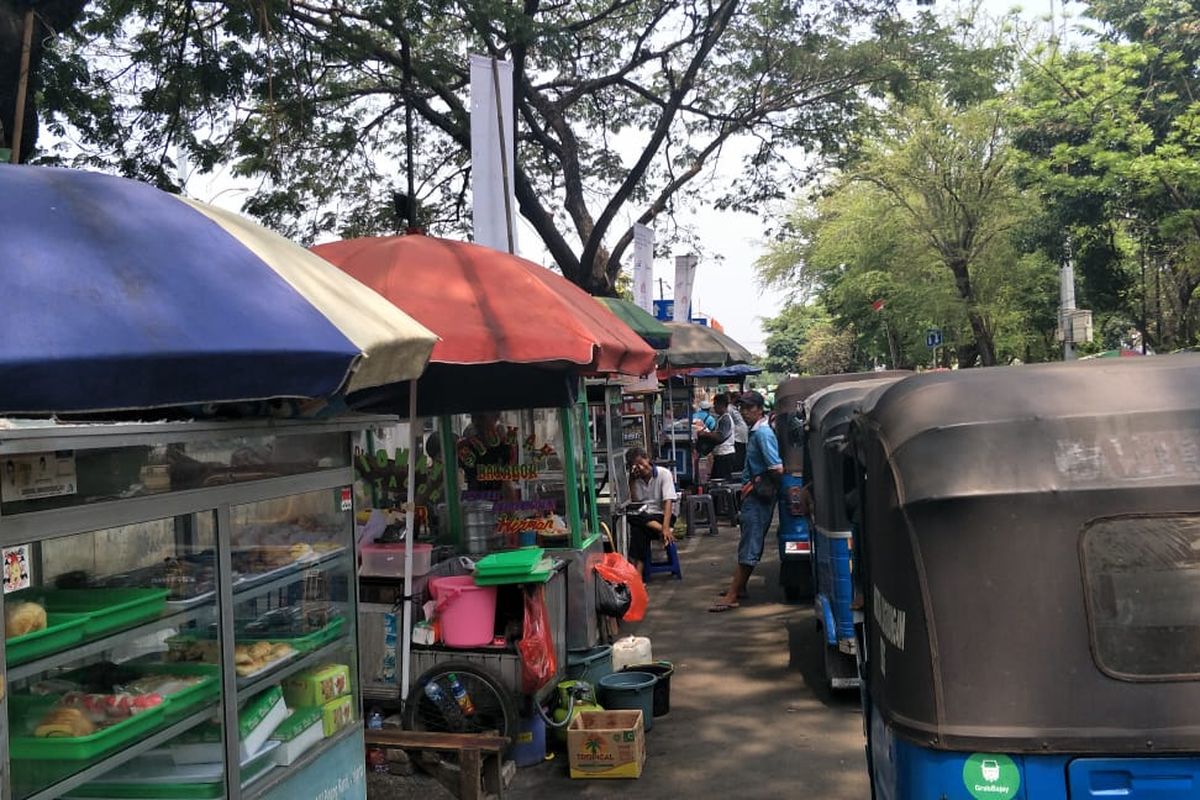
pixel 643 267
pixel 685 275
pixel 495 221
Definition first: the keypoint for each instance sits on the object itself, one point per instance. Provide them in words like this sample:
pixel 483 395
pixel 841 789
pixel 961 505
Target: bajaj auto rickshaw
pixel 795 569
pixel 1031 555
pixel 832 472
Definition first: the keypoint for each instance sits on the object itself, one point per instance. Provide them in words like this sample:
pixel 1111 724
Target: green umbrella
pixel 701 346
pixel 640 321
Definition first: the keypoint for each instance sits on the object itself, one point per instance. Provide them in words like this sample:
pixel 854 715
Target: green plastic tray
pixel 199 790
pixel 61 632
pixel 180 704
pixel 110 609
pixel 312 641
pixel 27 710
pixel 511 562
pixel 503 580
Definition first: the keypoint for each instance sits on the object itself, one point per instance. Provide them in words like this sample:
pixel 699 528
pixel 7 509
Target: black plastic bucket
pixel 663 670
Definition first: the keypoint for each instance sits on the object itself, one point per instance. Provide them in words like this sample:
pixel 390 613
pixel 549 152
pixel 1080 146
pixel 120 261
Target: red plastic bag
pixel 616 569
pixel 538 664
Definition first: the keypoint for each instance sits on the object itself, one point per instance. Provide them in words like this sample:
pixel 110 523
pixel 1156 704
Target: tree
pixel 1109 137
pixel 948 171
pixel 787 334
pixel 49 16
pixel 624 106
pixel 828 351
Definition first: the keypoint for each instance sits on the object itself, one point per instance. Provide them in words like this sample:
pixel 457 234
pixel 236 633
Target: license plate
pixel 795 548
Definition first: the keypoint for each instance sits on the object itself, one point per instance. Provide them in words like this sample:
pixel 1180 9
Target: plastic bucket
pixel 590 665
pixel 530 747
pixel 663 670
pixel 630 690
pixel 467 612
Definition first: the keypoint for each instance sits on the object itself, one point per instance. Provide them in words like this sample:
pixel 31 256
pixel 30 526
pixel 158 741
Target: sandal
pixel 717 608
pixel 741 595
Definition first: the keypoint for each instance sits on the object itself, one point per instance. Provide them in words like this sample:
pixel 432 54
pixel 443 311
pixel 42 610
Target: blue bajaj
pixel 832 468
pixel 1031 576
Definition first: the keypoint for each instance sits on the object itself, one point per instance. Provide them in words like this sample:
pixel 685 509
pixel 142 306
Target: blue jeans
pixel 756 520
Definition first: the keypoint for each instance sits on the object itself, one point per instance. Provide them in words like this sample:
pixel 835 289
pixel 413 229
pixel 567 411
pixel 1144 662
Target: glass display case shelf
pixel 57 790
pixel 182 592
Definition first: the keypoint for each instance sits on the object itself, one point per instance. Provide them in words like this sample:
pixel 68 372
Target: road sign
pixel 933 337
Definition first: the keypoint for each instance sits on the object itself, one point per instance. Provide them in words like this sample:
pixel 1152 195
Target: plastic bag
pixel 538 664
pixel 616 569
pixel 612 599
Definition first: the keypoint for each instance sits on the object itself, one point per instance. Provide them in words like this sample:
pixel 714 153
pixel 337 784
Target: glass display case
pixel 180 609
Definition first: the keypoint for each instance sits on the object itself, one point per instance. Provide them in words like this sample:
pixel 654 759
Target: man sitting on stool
pixel 653 488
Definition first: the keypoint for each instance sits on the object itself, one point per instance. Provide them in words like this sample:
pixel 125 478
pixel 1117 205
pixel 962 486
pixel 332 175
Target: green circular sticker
pixel 989 776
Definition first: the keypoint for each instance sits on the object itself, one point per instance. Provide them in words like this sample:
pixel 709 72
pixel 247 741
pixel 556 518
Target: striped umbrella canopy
pixel 115 295
pixel 513 333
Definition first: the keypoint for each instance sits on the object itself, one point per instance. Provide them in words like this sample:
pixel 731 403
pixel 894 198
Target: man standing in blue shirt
pixel 762 472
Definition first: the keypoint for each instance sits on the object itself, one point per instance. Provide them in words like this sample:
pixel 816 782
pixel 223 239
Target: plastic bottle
pixel 376 756
pixel 451 711
pixel 460 695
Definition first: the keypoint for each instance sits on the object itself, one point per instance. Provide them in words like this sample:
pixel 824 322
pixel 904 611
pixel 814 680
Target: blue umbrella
pixel 115 295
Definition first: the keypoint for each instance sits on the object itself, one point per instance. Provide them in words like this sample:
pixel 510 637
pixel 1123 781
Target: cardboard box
pixel 606 744
pixel 337 714
pixel 316 687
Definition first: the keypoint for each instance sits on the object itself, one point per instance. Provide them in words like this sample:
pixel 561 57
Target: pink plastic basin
pixel 467 612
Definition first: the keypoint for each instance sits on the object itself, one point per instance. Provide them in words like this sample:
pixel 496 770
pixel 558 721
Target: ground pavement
pixel 746 721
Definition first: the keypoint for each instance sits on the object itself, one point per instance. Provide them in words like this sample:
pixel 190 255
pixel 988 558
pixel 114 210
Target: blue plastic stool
pixel 650 568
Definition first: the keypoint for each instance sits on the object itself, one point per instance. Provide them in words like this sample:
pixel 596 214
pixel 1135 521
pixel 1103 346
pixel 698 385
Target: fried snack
pixel 64 722
pixel 21 618
pixel 281 650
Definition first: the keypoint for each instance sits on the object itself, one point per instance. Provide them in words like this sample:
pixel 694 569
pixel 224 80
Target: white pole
pixel 410 517
pixel 1067 303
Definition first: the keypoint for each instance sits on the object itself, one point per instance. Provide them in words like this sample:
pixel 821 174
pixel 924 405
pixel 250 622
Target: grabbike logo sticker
pixel 991 776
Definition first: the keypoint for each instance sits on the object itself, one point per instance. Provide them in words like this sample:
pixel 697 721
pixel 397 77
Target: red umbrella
pixel 491 307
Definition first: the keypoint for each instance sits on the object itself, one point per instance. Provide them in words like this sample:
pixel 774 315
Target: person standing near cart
pixel 764 469
pixel 722 439
pixel 741 433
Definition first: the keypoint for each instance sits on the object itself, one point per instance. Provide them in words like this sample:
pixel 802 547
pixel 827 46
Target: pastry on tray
pixel 64 722
pixel 21 617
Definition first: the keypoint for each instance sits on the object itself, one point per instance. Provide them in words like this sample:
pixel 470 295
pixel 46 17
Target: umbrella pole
pixel 22 88
pixel 410 516
pixel 671 416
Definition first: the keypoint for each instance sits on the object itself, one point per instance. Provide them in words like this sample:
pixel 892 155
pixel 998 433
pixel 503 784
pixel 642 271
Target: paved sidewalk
pixel 744 722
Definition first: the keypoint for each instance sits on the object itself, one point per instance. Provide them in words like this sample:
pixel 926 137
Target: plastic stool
pixel 725 501
pixel 650 567
pixel 696 505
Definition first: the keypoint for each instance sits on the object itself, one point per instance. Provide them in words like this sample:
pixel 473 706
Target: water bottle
pixel 376 757
pixel 451 711
pixel 460 695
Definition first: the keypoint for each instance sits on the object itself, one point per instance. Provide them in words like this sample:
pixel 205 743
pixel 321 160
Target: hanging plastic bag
pixel 615 568
pixel 612 599
pixel 538 664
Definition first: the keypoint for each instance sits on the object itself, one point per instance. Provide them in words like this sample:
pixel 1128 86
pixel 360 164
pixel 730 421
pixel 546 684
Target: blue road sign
pixel 933 337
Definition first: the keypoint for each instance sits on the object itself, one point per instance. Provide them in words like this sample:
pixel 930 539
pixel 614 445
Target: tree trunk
pixel 984 345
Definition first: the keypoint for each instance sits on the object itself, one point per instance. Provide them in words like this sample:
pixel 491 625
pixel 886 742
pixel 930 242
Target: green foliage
pixel 787 335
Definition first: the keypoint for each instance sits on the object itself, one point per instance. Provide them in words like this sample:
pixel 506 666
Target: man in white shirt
pixel 653 489
pixel 741 434
pixel 722 440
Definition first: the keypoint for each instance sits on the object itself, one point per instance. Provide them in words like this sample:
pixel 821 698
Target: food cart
pixel 503 395
pixel 170 582
pixel 179 604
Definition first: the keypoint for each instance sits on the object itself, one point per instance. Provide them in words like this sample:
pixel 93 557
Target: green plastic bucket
pixel 590 665
pixel 630 690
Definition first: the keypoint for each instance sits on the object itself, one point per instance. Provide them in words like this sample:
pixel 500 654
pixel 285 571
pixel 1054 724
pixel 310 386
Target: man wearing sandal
pixel 762 473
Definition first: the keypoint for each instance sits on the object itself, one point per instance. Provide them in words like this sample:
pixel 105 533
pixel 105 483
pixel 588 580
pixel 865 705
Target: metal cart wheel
pixel 492 706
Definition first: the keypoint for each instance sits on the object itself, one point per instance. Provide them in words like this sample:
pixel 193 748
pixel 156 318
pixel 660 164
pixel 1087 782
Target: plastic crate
pixel 107 610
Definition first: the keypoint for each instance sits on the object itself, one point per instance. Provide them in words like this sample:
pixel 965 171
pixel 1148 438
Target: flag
pixel 878 305
pixel 491 159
